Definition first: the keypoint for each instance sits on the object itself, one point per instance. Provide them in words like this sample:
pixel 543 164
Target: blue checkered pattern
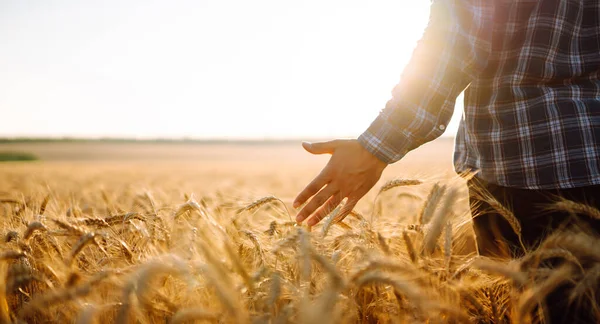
pixel 530 72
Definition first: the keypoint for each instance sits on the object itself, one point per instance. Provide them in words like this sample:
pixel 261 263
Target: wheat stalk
pixel 436 225
pixel 32 228
pixel 98 222
pixel 11 236
pixel 339 217
pixel 305 254
pixel 272 228
pixel 533 260
pixel 83 241
pixel 254 239
pixel 126 251
pixel 258 203
pixel 274 292
pixel 383 244
pixel 399 183
pixel 508 215
pixel 431 203
pixel 464 267
pixel 386 187
pixel 122 219
pixel 286 242
pixel 494 306
pixel 192 314
pixel 467 295
pixel 412 253
pixel 587 283
pixel 59 296
pixel 239 266
pixel 336 278
pixel 383 264
pixel 411 291
pixel 70 228
pixel 43 205
pixel 329 221
pixel 575 208
pixel 225 295
pixel 139 283
pixel 263 201
pixel 500 269
pixel 448 245
pixel 536 295
pixel 327 300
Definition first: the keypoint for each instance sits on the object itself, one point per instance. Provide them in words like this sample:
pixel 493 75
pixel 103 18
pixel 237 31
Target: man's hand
pixel 351 172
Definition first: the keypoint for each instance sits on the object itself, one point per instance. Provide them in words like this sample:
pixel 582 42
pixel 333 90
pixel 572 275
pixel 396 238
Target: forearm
pixel 422 103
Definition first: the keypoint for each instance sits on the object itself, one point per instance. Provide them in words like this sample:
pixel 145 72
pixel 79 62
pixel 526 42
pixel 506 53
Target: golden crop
pixel 123 243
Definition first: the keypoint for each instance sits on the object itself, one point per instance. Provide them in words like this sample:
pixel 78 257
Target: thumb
pixel 320 147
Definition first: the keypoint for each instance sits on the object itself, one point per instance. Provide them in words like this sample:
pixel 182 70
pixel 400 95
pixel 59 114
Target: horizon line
pixel 216 140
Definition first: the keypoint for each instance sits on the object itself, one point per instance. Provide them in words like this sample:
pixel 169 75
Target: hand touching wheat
pixel 350 173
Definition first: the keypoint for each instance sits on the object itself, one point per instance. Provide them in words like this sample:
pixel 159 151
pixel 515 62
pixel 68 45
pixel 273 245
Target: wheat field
pixel 210 238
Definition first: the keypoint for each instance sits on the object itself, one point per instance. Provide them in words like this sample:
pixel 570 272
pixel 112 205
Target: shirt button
pixel 442 127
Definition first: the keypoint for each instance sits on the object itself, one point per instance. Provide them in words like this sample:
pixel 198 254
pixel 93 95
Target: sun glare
pixel 203 69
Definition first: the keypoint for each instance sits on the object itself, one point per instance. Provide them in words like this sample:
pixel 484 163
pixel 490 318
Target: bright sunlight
pixel 201 69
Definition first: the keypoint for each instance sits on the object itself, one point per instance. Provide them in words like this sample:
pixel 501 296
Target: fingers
pixel 331 204
pixel 317 201
pixel 321 147
pixel 312 188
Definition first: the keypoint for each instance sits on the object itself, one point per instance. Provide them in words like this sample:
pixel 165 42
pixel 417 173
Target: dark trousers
pixel 496 238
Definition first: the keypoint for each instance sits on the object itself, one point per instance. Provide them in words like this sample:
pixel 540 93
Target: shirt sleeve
pixel 454 46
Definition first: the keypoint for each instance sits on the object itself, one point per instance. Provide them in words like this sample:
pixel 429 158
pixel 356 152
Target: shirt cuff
pixel 385 141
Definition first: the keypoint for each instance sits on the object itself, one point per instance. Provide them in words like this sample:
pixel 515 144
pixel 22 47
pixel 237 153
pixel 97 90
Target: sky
pixel 201 69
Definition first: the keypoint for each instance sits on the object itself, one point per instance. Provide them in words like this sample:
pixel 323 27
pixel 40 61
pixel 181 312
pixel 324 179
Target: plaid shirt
pixel 532 100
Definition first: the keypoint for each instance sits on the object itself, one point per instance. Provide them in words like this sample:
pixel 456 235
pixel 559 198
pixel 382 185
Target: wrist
pixel 373 159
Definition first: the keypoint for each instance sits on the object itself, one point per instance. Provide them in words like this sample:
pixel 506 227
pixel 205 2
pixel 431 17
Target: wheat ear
pixel 436 225
pixel 431 203
pixel 536 295
pixel 399 183
pixel 576 208
pixel 410 248
pixel 32 228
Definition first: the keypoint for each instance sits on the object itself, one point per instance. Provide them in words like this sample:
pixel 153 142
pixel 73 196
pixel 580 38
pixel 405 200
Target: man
pixel 531 121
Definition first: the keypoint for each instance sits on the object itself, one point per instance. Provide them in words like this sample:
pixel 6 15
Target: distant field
pixel 432 158
pixel 281 169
